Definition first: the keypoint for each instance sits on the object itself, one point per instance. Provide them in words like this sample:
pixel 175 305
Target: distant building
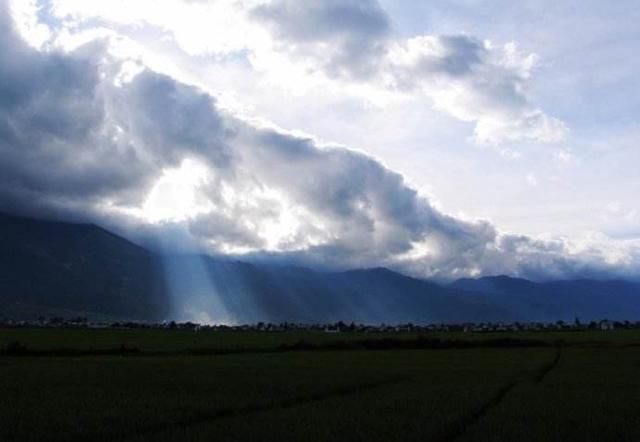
pixel 607 325
pixel 332 329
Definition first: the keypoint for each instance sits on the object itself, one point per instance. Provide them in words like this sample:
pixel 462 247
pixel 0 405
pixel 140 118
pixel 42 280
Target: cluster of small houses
pixel 338 327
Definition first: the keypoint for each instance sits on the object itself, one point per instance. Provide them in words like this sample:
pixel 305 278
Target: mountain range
pixel 64 269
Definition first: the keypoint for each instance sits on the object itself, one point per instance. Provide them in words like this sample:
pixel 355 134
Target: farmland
pixel 236 386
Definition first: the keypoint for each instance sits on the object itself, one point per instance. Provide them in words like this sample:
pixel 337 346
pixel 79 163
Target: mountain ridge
pixel 52 266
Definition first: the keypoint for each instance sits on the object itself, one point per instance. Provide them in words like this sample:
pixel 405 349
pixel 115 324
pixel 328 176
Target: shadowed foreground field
pixel 584 389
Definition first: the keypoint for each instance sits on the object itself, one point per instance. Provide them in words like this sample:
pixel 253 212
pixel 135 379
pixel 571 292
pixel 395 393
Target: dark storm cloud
pixel 53 140
pixel 171 118
pixel 69 136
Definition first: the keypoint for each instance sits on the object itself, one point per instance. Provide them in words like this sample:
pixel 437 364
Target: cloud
pixel 476 81
pixel 77 141
pixel 348 46
pixel 50 112
pixel 343 38
pixel 470 79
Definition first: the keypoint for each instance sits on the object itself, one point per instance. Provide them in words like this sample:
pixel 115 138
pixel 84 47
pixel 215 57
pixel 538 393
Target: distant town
pixel 337 327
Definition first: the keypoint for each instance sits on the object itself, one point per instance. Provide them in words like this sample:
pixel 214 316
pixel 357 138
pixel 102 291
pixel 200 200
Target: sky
pixel 441 139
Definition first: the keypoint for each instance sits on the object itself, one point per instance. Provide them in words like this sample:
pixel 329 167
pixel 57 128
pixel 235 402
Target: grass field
pixel 585 389
pixel 154 340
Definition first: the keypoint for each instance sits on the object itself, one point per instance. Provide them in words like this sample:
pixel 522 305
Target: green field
pixel 583 387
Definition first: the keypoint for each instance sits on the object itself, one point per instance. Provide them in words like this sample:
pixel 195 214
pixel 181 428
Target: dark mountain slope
pixel 77 267
pixel 548 301
pixel 249 293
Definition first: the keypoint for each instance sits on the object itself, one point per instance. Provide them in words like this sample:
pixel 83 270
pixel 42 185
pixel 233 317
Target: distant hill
pixel 61 268
pixel 548 301
pixel 251 293
pixel 51 268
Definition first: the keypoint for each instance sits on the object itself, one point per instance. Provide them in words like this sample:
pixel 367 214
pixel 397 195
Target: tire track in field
pixel 253 409
pixel 544 371
pixel 460 427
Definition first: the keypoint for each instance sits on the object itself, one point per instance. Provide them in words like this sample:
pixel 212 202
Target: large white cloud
pixel 476 81
pixel 348 46
pixel 75 139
